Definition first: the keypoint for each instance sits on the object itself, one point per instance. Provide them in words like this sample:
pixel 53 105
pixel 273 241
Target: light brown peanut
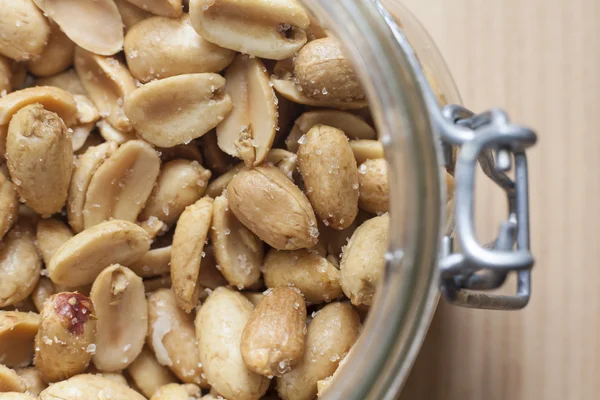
pixel 51 234
pixel 156 262
pixel 52 99
pixel 96 27
pixel 178 109
pixel 373 186
pixel 10 381
pixel 331 334
pixel 186 256
pixel 39 155
pixel 33 380
pixel 86 110
pixel 366 150
pixel 68 81
pixel 83 257
pixel 57 55
pixel 9 204
pixel 315 276
pixel 174 391
pixel 147 374
pixel 363 260
pixel 238 251
pixel 328 167
pixel 160 47
pixel 279 214
pixel 122 184
pixel 80 135
pixel 249 130
pixel 219 349
pixel 24 30
pixel 87 387
pixel 6 75
pixel 165 8
pixel 180 184
pixel 65 339
pixel 273 339
pixel 131 14
pixel 42 292
pixel 17 333
pixel 292 92
pixel 172 337
pixel 111 134
pixel 269 29
pixel 107 82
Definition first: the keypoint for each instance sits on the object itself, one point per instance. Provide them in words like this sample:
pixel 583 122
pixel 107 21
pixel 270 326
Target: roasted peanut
pixel 51 234
pixel 290 91
pixel 15 396
pixel 122 184
pixel 147 374
pixel 373 186
pixel 219 349
pixel 17 333
pixel 161 47
pixel 42 292
pixel 186 256
pixel 57 55
pixel 96 27
pixel 178 109
pixel 86 110
pixel 156 262
pixel 238 251
pixel 249 130
pixel 165 8
pixel 111 134
pixel 366 150
pixel 68 81
pixel 274 30
pixel 87 387
pixel 9 204
pixel 6 75
pixel 317 278
pixel 39 155
pixel 172 337
pixel 33 380
pixel 273 339
pixel 20 264
pixel 331 334
pixel 180 184
pixel 80 135
pixel 24 30
pixel 83 257
pixel 52 99
pixel 449 203
pixel 279 214
pixel 131 14
pixel 10 381
pixel 65 339
pixel 174 391
pixel 363 260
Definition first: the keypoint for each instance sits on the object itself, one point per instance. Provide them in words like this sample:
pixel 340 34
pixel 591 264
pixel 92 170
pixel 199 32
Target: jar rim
pixel 406 297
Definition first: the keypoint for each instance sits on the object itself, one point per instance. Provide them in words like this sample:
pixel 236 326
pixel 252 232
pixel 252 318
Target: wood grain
pixel 540 60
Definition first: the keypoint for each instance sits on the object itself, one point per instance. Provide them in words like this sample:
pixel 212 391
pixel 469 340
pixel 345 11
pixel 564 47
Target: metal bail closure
pixel 499 147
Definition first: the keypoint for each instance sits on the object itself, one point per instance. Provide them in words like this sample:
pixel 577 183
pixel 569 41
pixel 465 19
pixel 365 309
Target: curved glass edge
pixel 406 298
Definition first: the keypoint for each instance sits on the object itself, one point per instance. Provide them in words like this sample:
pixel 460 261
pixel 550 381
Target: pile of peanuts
pixel 193 201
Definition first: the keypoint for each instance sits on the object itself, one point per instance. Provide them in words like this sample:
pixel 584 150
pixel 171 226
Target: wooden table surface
pixel 540 60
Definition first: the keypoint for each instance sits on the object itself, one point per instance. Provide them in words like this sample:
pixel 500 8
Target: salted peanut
pixel 178 109
pixel 352 125
pixel 373 186
pixel 68 81
pixel 51 234
pixel 186 256
pixel 83 257
pixel 215 159
pixel 279 213
pixel 164 8
pixel 17 333
pixel 20 264
pixel 363 260
pixel 330 175
pixel 9 204
pixel 238 251
pixel 122 184
pixel 284 160
pixel 273 339
pixel 366 150
pixel 42 292
pixel 291 91
pixel 10 381
pixel 57 55
pixel 317 278
pixel 86 110
pixel 6 75
pixel 39 155
pixel 33 380
pixel 175 391
pixel 188 151
pixel 172 337
pixel 154 227
pixel 161 282
pixel 65 339
pixel 51 98
pixel 219 349
pixel 24 29
pixel 180 184
pixel 96 27
pixel 131 14
pixel 85 167
pixel 147 374
pixel 111 134
pixel 80 135
pixel 161 47
pixel 331 334
pixel 122 311
pixel 87 387
pixel 249 130
pixel 269 29
pixel 107 82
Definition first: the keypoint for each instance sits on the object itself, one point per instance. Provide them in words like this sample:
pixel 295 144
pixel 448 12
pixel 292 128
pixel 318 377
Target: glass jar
pixel 399 66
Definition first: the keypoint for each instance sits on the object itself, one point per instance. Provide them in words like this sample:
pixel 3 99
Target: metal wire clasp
pixel 499 147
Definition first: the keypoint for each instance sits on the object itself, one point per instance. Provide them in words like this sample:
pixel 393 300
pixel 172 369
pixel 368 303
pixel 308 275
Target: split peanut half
pixel 131 14
pixel 42 292
pixel 33 381
pixel 147 374
pixel 88 386
pixel 156 262
pixel 10 381
pixel 67 81
pixel 366 150
pixel 17 333
pixel 51 98
pixel 51 234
